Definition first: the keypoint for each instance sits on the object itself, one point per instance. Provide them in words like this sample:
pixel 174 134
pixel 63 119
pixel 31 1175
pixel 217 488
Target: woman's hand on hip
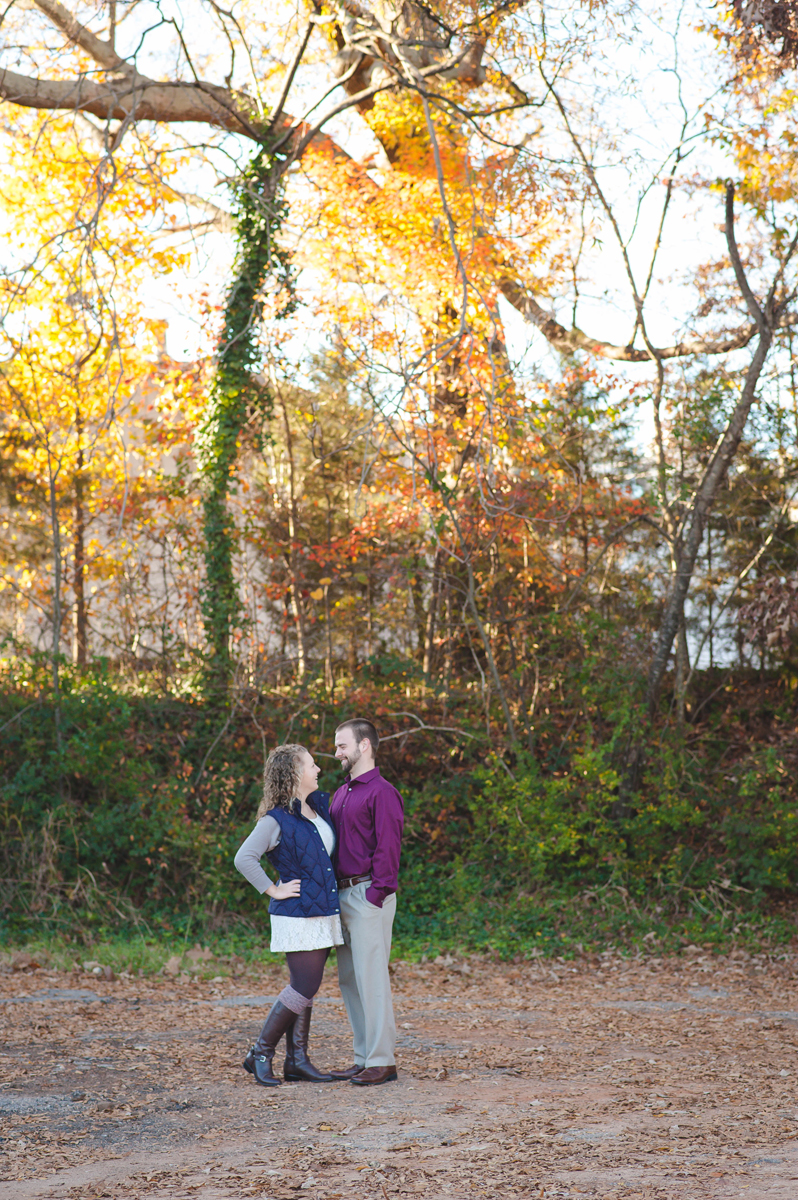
pixel 284 891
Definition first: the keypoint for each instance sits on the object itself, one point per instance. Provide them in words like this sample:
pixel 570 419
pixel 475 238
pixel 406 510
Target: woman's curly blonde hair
pixel 281 778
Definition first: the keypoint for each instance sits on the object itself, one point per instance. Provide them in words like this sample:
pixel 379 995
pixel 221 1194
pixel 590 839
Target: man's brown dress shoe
pixel 371 1075
pixel 348 1073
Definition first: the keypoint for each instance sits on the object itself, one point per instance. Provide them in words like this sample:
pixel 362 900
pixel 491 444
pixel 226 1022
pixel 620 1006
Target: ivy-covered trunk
pixel 259 212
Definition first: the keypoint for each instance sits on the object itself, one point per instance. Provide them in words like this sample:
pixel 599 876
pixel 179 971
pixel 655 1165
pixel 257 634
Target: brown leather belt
pixel 351 880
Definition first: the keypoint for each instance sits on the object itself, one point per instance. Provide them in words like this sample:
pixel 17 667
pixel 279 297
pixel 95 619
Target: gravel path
pixel 655 1079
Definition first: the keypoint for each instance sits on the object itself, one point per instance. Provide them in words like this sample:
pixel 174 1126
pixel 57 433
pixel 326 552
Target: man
pixel 368 816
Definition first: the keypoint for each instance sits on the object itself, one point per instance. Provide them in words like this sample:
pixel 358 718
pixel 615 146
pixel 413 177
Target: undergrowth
pixel 120 821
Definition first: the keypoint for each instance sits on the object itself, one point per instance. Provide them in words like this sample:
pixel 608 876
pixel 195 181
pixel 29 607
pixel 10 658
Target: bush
pixel 119 808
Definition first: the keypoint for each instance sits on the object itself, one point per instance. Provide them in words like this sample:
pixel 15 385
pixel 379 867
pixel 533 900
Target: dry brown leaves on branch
pixel 769 29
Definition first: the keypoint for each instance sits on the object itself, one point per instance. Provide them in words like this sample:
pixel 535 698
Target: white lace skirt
pixel 305 933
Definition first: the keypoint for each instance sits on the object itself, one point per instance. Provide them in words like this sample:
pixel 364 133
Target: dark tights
pixel 306 968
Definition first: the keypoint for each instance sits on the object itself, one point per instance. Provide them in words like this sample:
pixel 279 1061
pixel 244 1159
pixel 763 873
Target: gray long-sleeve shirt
pixel 264 837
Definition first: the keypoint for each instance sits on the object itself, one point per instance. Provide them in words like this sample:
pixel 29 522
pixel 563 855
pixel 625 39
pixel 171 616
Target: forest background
pixel 300 420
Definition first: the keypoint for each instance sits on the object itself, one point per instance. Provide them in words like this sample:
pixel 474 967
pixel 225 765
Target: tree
pixel 127 96
pixel 461 212
pixel 73 347
pixel 462 208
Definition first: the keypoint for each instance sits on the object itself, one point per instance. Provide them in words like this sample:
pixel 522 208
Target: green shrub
pixel 124 808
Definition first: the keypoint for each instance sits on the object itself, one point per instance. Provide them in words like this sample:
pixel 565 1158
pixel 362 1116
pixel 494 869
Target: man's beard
pixel 348 762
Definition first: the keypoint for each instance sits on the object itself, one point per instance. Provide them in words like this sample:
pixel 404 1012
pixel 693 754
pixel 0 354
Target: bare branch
pixel 739 274
pixel 102 52
pixel 289 77
pixel 422 726
pixel 214 215
pixel 569 340
pixel 118 100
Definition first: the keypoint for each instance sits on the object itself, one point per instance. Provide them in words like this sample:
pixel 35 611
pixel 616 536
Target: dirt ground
pixel 653 1079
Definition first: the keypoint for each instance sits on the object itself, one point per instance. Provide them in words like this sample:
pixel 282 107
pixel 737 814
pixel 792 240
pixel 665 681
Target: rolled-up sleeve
pixel 389 819
pixel 264 837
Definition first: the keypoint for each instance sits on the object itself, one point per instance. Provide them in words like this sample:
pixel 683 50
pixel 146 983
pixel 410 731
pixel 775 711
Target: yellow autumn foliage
pixel 88 410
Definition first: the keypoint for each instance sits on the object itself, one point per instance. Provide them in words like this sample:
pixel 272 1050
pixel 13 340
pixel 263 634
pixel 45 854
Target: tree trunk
pixel 766 319
pixel 353 643
pixel 56 640
pixel 79 638
pixel 494 670
pixel 417 606
pixel 708 488
pixel 447 652
pixel 369 610
pixel 682 672
pixel 429 633
pixel 329 673
pixel 298 613
pixel 297 606
pixel 710 605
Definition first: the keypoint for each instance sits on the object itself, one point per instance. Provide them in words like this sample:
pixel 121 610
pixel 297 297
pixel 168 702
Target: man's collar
pixel 366 777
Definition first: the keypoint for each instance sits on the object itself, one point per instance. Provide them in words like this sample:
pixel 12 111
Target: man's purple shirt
pixel 368 815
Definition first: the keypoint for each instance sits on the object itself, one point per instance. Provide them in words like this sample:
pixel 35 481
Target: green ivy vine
pixel 259 211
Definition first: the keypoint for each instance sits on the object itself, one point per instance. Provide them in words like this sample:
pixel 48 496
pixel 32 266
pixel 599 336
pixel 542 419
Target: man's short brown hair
pixel 363 730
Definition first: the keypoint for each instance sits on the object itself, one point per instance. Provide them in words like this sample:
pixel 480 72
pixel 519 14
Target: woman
pixel 295 833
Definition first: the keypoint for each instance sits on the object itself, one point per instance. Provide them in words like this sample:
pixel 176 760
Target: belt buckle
pixel 350 881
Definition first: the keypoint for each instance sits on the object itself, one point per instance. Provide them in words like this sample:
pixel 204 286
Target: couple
pixel 337 864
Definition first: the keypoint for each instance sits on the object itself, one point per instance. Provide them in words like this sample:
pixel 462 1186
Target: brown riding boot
pixel 260 1058
pixel 297 1064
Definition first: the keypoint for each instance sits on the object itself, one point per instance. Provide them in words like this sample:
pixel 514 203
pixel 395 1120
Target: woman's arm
pixel 264 837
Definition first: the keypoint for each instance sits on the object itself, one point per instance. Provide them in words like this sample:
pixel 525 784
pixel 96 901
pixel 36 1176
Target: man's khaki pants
pixel 363 975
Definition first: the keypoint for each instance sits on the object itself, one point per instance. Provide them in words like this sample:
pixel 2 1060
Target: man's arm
pixel 389 819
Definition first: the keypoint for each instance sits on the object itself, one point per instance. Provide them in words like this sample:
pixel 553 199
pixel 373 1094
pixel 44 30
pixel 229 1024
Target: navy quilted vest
pixel 301 855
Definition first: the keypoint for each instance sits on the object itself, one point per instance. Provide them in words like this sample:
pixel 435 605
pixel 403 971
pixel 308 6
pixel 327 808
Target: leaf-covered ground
pixel 659 1078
